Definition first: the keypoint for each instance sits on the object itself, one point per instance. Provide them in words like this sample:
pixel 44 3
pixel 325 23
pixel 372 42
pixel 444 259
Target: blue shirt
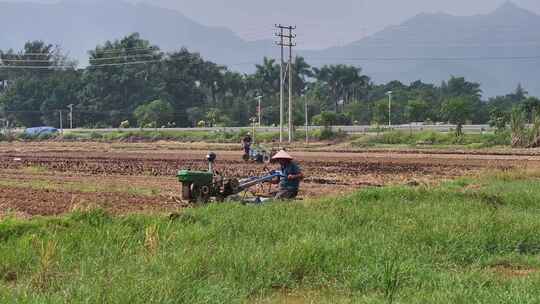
pixel 284 182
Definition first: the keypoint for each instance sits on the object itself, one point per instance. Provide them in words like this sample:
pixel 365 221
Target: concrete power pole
pixel 281 81
pixel 307 120
pixel 259 109
pixel 61 125
pixel 289 44
pixel 291 120
pixel 389 93
pixel 70 106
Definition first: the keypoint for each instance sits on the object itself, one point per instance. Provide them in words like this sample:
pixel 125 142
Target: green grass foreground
pixel 467 241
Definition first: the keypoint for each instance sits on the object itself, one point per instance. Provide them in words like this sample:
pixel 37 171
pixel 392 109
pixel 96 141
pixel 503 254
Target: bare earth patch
pixel 509 271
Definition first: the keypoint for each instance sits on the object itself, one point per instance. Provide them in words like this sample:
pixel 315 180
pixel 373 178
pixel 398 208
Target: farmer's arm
pixel 296 174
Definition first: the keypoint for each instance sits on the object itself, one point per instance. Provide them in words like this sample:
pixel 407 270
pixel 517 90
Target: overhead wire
pixel 479 58
pixel 49 67
pixel 97 51
pixel 123 63
pixel 122 57
pixel 307 58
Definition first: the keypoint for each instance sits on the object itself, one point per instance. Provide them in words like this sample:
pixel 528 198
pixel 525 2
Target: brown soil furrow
pixel 50 202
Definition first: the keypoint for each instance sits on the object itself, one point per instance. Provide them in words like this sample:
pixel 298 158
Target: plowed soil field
pixel 54 177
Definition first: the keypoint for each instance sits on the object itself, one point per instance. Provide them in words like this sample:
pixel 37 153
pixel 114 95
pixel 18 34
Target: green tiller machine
pixel 203 186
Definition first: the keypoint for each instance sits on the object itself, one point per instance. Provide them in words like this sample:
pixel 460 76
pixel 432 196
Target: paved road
pixel 348 129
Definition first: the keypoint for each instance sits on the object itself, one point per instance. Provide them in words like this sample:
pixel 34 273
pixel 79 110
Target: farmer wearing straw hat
pixel 292 175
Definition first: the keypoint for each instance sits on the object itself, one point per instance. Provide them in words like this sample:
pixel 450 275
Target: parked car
pixel 39 131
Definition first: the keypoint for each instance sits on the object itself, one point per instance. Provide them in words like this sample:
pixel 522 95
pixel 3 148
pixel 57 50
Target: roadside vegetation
pixel 179 136
pixel 470 240
pixel 433 139
pixel 376 138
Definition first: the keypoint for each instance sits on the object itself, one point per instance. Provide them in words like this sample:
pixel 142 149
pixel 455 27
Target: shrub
pixel 325 119
pixel 395 138
pixel 328 134
pixel 157 113
pixel 96 135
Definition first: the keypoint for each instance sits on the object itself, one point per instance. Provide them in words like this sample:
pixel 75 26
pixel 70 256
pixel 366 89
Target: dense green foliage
pixel 468 241
pixel 38 82
pixel 154 114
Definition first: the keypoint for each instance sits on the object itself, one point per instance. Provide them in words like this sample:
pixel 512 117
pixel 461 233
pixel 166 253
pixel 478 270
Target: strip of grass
pixel 222 136
pixel 433 139
pixel 84 187
pixel 467 241
pixel 186 136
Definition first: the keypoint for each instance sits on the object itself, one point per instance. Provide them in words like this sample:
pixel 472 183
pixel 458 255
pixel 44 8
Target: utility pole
pixel 307 120
pixel 70 106
pixel 61 126
pixel 389 93
pixel 281 81
pixel 259 109
pixel 282 44
pixel 253 123
pixel 291 121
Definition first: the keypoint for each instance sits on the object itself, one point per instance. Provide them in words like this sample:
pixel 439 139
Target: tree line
pixel 131 82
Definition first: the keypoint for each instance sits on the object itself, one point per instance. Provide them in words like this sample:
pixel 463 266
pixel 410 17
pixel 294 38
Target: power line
pixel 91 60
pixel 480 58
pixel 52 67
pixel 125 50
pixel 122 57
pixel 27 54
pixel 123 63
pixel 484 58
pixel 312 59
pixel 25 60
pixel 372 43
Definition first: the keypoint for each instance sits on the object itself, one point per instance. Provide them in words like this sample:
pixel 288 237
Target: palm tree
pixel 302 71
pixel 341 81
pixel 267 76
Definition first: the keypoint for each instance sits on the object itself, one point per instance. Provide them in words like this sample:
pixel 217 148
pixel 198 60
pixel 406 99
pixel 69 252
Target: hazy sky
pixel 321 23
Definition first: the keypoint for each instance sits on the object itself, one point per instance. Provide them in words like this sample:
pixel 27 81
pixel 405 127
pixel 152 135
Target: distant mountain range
pixel 499 49
pixel 78 26
pixel 493 49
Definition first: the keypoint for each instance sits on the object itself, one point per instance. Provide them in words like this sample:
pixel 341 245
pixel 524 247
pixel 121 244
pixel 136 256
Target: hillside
pixel 425 47
pixel 79 26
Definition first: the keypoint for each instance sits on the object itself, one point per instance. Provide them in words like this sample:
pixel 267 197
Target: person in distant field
pixel 246 143
pixel 289 184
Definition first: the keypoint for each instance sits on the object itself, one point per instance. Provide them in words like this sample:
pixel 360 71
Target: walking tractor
pixel 206 186
pixel 258 154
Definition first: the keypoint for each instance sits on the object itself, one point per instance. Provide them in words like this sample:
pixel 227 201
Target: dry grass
pixel 47 252
pixel 151 241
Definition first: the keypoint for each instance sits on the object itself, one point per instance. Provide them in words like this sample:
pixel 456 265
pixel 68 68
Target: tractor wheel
pixel 266 158
pixel 245 157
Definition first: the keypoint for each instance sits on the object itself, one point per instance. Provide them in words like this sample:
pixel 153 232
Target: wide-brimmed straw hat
pixel 282 155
